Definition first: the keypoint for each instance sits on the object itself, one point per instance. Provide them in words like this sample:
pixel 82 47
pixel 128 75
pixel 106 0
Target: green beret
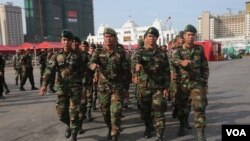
pixel 77 39
pixel 67 34
pixel 152 30
pixel 109 31
pixel 190 28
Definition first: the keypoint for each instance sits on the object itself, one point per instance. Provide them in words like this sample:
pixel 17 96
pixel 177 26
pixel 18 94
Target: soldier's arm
pixel 48 71
pixel 135 60
pixel 92 64
pixel 204 68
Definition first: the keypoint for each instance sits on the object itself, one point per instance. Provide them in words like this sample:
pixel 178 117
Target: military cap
pixel 109 31
pixel 181 34
pixel 76 38
pixel 67 34
pixel 152 30
pixel 85 43
pixel 190 28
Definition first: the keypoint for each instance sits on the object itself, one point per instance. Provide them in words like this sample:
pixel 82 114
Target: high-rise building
pixel 45 19
pixel 11 29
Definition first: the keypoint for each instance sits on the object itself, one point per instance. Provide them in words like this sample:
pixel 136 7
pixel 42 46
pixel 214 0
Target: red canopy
pixel 45 45
pixel 8 48
pixel 27 45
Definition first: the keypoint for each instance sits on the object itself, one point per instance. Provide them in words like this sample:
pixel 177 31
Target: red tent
pixel 45 45
pixel 8 48
pixel 27 45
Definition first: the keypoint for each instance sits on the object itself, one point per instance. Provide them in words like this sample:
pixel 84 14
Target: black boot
pixel 67 132
pixel 109 137
pixel 34 88
pixel 74 136
pixel 80 131
pixel 201 134
pixel 22 88
pixel 7 91
pixel 147 132
pixel 182 129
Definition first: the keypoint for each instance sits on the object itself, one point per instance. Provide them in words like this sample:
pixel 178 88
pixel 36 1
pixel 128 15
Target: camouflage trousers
pixel 195 98
pixel 18 75
pixel 153 104
pixel 111 107
pixel 86 101
pixel 68 105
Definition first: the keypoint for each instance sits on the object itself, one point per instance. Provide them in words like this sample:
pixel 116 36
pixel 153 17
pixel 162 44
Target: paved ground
pixel 26 116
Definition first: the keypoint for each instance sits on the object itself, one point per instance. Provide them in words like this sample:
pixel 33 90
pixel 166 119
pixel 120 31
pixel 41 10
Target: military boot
pixel 80 131
pixel 67 132
pixel 109 137
pixel 200 134
pixel 74 136
pixel 147 132
pixel 182 129
pixel 22 88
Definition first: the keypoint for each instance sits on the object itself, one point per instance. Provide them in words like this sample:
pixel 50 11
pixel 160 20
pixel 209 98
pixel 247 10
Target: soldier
pixel 68 64
pixel 151 68
pixel 17 66
pixel 50 53
pixel 27 70
pixel 1 77
pixel 110 66
pixel 194 74
pixel 43 62
pixel 76 43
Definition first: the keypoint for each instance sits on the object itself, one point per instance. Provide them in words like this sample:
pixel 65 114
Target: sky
pixel 143 12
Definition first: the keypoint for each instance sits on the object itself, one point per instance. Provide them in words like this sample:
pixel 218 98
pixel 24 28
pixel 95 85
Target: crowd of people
pixel 81 73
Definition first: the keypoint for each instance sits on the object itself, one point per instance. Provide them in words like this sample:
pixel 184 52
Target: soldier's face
pixel 66 42
pixel 109 40
pixel 150 39
pixel 180 41
pixel 189 37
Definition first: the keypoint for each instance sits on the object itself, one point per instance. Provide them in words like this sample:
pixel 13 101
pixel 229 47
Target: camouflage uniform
pixel 68 83
pixel 53 71
pixel 193 81
pixel 112 67
pixel 27 71
pixel 17 66
pixel 43 62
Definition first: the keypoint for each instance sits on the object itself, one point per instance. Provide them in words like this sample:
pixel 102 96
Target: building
pixel 45 19
pixel 230 29
pixel 11 28
pixel 130 33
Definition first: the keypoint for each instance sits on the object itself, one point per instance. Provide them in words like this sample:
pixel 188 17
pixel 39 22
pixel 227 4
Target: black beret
pixel 76 38
pixel 67 34
pixel 110 31
pixel 190 28
pixel 85 43
pixel 152 30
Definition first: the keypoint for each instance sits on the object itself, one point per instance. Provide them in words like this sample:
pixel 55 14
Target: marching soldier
pixel 68 64
pixel 27 70
pixel 151 71
pixel 194 74
pixel 17 66
pixel 110 67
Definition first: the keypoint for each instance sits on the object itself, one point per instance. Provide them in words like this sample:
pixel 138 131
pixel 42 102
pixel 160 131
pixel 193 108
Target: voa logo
pixel 236 132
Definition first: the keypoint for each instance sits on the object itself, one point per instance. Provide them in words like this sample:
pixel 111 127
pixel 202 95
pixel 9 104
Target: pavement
pixel 26 116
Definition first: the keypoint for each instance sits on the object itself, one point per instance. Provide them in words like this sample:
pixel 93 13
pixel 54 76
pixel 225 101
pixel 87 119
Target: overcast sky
pixel 182 12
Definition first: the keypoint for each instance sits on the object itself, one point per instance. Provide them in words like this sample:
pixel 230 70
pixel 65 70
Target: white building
pixel 11 28
pixel 130 33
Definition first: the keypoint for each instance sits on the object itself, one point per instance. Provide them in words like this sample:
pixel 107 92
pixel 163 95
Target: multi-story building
pixel 230 29
pixel 11 29
pixel 45 19
pixel 130 33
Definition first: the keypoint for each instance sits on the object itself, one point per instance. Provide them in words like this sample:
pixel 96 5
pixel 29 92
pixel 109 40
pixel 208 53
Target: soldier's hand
pixel 165 92
pixel 185 63
pixel 138 67
pixel 43 91
pixel 93 66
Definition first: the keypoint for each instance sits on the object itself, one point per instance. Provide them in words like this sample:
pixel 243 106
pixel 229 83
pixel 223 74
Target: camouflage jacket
pixel 69 67
pixel 112 67
pixel 195 73
pixel 16 62
pixel 155 71
pixel 174 70
pixel 26 62
pixel 88 73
